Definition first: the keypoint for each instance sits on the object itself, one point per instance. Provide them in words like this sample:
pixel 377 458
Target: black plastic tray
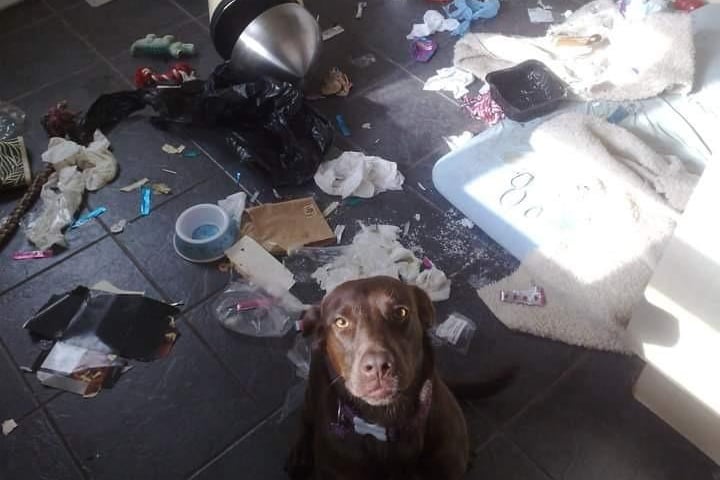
pixel 526 91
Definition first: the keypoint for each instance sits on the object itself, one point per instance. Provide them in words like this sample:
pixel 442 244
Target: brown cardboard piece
pixel 284 226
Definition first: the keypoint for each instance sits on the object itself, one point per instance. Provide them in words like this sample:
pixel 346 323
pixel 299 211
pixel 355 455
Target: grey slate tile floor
pixel 211 409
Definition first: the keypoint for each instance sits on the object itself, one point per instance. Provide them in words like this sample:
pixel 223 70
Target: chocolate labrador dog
pixel 375 407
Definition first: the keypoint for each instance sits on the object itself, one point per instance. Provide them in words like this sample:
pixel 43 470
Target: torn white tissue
pixel 77 168
pixel 467 223
pixel 339 230
pixel 455 142
pixel 8 426
pixel 332 206
pixel 106 286
pixel 234 206
pixel 332 32
pixel 452 79
pixel 355 174
pixel 254 263
pixel 172 150
pixel 433 21
pixel 540 15
pixel 96 161
pixel 375 250
pixel 135 185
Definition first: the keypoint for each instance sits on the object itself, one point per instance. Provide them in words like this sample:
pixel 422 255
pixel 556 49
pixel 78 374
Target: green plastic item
pixel 165 45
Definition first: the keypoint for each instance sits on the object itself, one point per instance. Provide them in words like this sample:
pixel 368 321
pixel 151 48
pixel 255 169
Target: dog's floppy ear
pixel 311 321
pixel 426 310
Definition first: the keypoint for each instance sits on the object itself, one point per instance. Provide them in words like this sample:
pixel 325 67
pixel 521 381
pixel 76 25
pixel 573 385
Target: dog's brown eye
pixel 402 313
pixel 341 322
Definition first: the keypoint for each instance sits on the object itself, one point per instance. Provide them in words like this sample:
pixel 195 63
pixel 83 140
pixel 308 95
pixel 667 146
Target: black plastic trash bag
pixel 271 125
pixel 268 121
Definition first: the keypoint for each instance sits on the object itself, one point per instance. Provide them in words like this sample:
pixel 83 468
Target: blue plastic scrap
pixel 467 11
pixel 145 200
pixel 82 220
pixel 342 126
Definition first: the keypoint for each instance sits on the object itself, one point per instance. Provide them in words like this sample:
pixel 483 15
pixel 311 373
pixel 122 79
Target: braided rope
pixel 24 205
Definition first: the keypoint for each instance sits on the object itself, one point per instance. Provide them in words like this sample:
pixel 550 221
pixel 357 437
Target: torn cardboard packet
pixel 285 226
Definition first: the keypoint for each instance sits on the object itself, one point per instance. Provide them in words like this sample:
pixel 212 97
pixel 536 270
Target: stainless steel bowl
pixel 265 37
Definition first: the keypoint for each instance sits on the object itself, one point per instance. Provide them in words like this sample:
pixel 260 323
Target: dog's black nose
pixel 376 364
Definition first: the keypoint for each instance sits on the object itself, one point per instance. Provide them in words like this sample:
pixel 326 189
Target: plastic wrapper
pixel 12 121
pixel 293 400
pixel 248 309
pixel 456 332
pixel 61 197
pixel 300 355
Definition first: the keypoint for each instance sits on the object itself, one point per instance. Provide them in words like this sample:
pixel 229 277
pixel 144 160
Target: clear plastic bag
pixel 248 309
pixel 294 399
pixel 300 354
pixel 456 331
pixel 12 121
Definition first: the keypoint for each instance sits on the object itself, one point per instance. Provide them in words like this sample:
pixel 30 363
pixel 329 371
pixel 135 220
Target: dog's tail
pixel 470 390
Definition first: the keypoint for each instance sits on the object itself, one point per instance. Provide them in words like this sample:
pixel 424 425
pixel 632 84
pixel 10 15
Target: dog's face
pixel 373 335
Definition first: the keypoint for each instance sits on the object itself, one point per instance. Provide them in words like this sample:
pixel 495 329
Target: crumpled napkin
pixel 433 21
pixel 77 168
pixel 357 175
pixel 452 79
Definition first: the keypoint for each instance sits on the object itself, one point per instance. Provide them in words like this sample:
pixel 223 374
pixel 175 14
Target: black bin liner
pixel 526 91
pixel 268 121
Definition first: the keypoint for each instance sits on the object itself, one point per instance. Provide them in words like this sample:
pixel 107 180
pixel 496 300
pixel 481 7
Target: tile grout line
pixel 537 398
pixel 408 72
pixel 18 373
pixel 190 15
pixel 528 457
pixel 39 272
pixel 27 26
pixel 212 352
pixel 56 428
pixel 234 443
pixel 222 168
pixel 35 90
pixel 136 263
pixel 87 44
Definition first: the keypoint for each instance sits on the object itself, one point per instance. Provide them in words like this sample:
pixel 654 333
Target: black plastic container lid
pixel 526 91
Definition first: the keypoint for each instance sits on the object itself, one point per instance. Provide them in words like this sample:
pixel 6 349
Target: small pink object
pixel 32 255
pixel 483 107
pixel 253 304
pixel 426 263
pixel 535 297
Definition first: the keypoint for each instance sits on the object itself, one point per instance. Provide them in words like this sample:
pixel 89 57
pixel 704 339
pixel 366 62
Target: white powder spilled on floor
pixel 453 240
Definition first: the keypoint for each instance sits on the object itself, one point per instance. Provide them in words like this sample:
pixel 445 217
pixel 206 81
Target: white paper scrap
pixel 254 263
pixel 540 15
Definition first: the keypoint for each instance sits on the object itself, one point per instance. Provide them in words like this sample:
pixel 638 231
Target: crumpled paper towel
pixel 433 21
pixel 96 161
pixel 452 79
pixel 77 168
pixel 357 175
pixel 375 250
